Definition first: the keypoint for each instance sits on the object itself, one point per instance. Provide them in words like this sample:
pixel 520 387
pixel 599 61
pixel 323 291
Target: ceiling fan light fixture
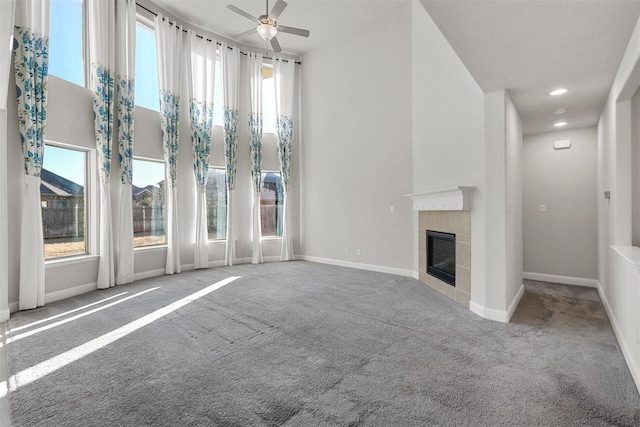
pixel 266 31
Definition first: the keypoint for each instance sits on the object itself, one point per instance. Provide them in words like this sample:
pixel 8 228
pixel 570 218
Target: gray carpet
pixel 304 344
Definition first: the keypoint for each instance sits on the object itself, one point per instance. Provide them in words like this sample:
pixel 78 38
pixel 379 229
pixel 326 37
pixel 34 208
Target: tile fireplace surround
pixel 458 223
pixel 449 211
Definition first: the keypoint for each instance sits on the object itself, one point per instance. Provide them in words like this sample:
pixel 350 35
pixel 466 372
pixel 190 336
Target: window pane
pixel 217 204
pixel 268 101
pixel 63 202
pixel 147 92
pixel 218 98
pixel 271 203
pixel 148 203
pixel 65 40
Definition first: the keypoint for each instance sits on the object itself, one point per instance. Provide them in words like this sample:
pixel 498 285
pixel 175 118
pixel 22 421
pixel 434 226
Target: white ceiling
pixel 325 19
pixel 526 46
pixel 533 47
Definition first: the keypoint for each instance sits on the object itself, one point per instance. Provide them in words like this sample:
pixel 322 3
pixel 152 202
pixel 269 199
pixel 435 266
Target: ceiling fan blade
pixel 292 30
pixel 241 12
pixel 275 45
pixel 245 34
pixel 277 9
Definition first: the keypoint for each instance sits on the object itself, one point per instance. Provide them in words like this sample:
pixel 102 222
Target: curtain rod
pixel 202 37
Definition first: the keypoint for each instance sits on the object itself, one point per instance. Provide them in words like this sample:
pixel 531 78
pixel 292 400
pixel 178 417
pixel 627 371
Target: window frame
pixel 158 246
pixel 214 241
pixel 148 23
pixel 86 71
pixel 266 171
pixel 90 203
pixel 274 129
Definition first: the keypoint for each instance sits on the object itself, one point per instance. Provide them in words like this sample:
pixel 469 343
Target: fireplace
pixel 441 256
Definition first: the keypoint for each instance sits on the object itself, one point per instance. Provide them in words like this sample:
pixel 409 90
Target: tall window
pixel 217 204
pixel 148 203
pixel 268 101
pixel 147 92
pixel 65 40
pixel 218 97
pixel 62 197
pixel 271 204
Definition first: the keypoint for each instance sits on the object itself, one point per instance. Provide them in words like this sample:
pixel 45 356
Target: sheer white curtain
pixel 254 64
pixel 201 86
pixel 169 41
pixel 284 77
pixel 230 66
pixel 101 18
pixel 125 73
pixel 31 41
pixel 7 14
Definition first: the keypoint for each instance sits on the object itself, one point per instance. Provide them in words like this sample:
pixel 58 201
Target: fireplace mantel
pixel 446 199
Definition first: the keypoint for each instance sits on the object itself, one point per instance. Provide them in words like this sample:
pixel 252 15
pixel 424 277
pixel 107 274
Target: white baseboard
pixel 71 292
pixel 498 315
pixel 359 266
pixel 58 295
pixel 565 280
pixel 4 314
pixel 628 357
pixel 149 274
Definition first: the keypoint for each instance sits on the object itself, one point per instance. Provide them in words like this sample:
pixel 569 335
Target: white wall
pixel 357 147
pixel 448 130
pixel 70 121
pixel 503 246
pixel 617 278
pixel 563 240
pixel 635 168
pixel 514 178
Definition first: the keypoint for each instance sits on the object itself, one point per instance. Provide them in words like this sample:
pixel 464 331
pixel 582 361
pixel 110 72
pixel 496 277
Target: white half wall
pixel 562 240
pixel 357 147
pixel 618 273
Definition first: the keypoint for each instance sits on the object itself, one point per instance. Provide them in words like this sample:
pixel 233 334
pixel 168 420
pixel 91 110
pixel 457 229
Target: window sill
pixel 270 238
pixel 70 260
pixel 217 242
pixel 154 248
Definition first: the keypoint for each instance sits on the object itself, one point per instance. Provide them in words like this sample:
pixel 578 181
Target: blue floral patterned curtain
pixel 101 40
pixel 201 84
pixel 169 48
pixel 254 63
pixel 31 58
pixel 284 76
pixel 125 87
pixel 230 65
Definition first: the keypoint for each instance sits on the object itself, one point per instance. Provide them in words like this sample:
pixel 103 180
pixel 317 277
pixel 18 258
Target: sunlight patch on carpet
pixel 47 367
pixel 72 318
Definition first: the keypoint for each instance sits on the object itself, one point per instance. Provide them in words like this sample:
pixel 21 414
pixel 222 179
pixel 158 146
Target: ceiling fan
pixel 267 27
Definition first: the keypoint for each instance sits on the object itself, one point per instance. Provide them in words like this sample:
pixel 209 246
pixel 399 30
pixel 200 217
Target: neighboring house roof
pixel 49 189
pixel 137 191
pixel 54 184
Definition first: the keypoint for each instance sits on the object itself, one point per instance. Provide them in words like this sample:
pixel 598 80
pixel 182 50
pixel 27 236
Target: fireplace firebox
pixel 441 256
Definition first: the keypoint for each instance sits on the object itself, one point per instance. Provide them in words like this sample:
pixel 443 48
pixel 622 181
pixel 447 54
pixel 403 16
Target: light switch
pixel 543 208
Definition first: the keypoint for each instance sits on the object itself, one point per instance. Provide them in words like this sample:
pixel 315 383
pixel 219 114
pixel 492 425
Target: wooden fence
pixel 68 224
pixel 63 223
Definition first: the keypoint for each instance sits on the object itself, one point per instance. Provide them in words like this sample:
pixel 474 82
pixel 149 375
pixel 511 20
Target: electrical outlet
pixel 358 252
pixel 543 208
pixel 392 209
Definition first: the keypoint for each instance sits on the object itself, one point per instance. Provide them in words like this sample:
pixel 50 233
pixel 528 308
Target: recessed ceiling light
pixel 558 92
pixel 560 124
pixel 560 110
